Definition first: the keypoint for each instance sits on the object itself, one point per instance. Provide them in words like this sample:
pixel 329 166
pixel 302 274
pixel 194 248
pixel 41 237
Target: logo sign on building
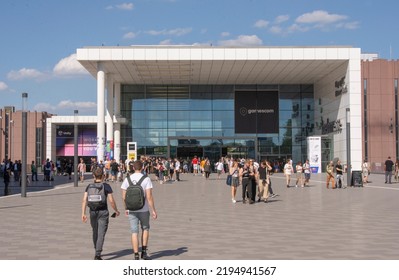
pixel 87 141
pixel 341 87
pixel 132 150
pixel 314 154
pixel 256 112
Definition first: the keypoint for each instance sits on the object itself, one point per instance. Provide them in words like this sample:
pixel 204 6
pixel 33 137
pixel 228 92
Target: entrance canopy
pixel 215 65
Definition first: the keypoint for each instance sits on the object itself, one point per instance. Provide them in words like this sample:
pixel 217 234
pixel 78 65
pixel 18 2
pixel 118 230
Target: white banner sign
pixel 314 154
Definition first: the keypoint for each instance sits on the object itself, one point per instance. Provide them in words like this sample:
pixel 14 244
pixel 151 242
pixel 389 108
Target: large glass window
pixel 156 113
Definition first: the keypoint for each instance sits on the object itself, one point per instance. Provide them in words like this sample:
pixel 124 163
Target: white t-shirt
pixel 299 169
pixel 146 184
pixel 306 168
pixel 288 169
pixel 219 166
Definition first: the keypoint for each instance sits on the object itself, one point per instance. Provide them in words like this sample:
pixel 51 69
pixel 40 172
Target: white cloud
pixel 242 41
pixel 3 86
pixel 65 104
pixel 261 23
pixel 166 42
pixel 281 19
pixel 130 35
pixel 225 34
pixel 44 107
pixel 276 29
pixel 349 25
pixel 170 32
pixel 25 73
pixel 123 6
pixel 296 27
pixel 320 17
pixel 69 66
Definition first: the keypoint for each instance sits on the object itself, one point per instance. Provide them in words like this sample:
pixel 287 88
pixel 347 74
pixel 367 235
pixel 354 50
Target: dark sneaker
pixel 144 256
pixel 136 256
pixel 98 258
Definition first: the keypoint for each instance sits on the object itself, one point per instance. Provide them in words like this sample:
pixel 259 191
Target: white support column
pixel 109 119
pixel 117 127
pixel 100 112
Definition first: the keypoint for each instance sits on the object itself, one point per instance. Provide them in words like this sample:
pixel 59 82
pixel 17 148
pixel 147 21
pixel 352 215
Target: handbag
pixel 228 180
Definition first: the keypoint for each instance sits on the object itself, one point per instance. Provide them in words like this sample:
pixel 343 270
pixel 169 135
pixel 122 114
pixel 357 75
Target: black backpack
pixel 96 198
pixel 135 199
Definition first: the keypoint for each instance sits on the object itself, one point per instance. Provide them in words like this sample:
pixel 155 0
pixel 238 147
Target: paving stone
pixel 197 220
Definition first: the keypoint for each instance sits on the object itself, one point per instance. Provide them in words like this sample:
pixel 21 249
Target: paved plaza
pixel 197 220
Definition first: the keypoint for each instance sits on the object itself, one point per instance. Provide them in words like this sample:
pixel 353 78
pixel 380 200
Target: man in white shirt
pixel 141 216
pixel 288 171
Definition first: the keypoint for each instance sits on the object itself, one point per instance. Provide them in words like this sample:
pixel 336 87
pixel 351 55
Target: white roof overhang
pixel 215 65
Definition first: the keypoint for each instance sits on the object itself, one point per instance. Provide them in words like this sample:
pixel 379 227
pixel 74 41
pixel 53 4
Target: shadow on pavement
pixel 167 253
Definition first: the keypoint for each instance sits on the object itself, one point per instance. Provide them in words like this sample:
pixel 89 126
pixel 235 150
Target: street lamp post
pixel 24 143
pixel 348 147
pixel 75 154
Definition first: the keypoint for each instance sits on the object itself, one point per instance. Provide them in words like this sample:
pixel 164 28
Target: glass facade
pixel 188 120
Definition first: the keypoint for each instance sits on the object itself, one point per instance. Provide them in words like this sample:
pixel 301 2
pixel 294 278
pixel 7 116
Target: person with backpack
pixel 138 200
pixel 95 198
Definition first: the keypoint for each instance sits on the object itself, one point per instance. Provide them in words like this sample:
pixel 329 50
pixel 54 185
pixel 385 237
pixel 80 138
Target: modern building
pixel 11 135
pixel 260 102
pixel 380 111
pixel 185 101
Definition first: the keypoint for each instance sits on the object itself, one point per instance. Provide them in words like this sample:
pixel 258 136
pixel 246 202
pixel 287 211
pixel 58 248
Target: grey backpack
pixel 135 199
pixel 96 198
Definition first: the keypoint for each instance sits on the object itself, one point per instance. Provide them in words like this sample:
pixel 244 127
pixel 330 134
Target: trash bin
pixel 357 180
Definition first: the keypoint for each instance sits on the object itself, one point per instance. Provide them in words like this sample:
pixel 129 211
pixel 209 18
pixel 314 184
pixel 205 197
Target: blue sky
pixel 39 38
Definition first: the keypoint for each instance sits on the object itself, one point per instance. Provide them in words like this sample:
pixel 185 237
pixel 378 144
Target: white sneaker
pixel 296 186
pixel 233 200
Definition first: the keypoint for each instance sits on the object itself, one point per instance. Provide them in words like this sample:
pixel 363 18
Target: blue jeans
pixel 388 176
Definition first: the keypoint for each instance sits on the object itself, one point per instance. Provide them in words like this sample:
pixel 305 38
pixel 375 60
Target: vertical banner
pixel 109 150
pixel 314 154
pixel 256 112
pixel 132 150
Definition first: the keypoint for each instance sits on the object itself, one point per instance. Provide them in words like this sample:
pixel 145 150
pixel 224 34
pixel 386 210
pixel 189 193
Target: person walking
pixel 288 171
pixel 306 171
pixel 99 215
pixel 6 176
pixel 330 175
pixel 219 168
pixel 339 175
pixel 396 170
pixel 365 171
pixel 269 179
pixel 263 184
pixel 207 168
pixel 388 170
pixel 194 164
pixel 234 172
pixel 33 169
pixel 81 170
pixel 142 216
pixel 299 174
pixel 177 169
pixel 246 182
